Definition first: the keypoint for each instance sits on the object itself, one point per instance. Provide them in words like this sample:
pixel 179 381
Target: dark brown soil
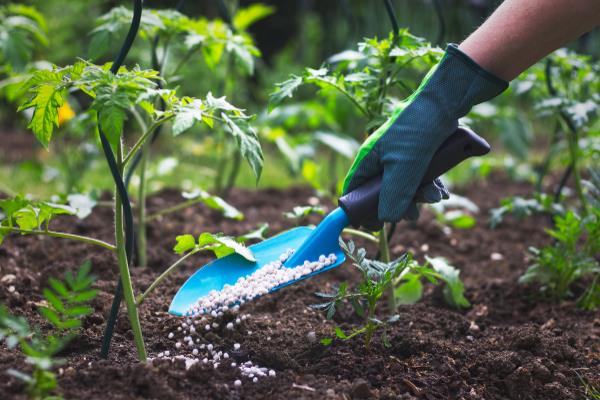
pixel 509 345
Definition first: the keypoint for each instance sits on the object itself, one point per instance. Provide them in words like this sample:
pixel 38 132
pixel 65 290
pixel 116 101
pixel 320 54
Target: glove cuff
pixel 458 83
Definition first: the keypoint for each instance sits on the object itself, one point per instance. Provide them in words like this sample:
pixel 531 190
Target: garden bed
pixel 510 344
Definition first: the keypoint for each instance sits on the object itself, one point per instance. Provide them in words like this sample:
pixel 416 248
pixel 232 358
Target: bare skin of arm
pixel 521 32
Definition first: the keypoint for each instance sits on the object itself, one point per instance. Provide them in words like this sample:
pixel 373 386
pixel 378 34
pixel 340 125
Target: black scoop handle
pixel 361 204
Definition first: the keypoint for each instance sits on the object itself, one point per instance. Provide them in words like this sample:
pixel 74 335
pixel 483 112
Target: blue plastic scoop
pixel 309 243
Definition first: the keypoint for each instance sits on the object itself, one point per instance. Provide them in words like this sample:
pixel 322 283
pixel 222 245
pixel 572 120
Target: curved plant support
pixel 124 217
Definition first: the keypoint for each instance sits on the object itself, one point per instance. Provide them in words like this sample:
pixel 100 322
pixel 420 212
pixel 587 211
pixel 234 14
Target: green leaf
pixel 224 245
pixel 54 300
pixel 247 16
pixel 299 212
pixel 79 311
pixel 284 89
pixel 215 202
pixel 459 219
pixel 454 289
pixel 111 120
pixel 326 341
pixel 58 286
pixel 340 333
pixel 410 290
pixel 184 243
pixel 247 142
pixel 46 101
pixel 51 316
pixel 257 234
pixel 186 116
pixel 85 296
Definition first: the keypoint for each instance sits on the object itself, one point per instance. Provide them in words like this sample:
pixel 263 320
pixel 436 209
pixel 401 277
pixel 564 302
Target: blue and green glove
pixel 403 146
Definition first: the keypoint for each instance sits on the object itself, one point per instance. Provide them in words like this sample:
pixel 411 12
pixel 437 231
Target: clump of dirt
pixel 508 345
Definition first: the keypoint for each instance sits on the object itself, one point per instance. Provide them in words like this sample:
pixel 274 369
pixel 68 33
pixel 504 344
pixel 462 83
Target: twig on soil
pixel 304 387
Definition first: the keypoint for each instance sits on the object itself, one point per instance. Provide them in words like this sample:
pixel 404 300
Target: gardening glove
pixel 403 146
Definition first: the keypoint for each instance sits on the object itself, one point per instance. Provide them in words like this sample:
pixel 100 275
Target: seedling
pixel 570 258
pixel 67 303
pixel 401 278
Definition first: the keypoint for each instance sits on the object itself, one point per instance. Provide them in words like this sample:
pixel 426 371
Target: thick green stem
pixel 157 281
pixel 62 235
pixel 141 227
pixel 138 145
pixel 384 252
pixel 132 311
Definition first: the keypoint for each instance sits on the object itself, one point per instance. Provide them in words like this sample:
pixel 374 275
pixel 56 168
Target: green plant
pixel 400 278
pixel 570 258
pixel 67 303
pixel 22 30
pixel 175 40
pixel 521 207
pixel 114 96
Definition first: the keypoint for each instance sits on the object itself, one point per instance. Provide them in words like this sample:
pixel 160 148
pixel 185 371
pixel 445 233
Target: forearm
pixel 521 32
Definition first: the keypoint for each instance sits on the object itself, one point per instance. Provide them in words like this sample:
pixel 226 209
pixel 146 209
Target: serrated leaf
pixel 247 142
pixel 46 101
pixel 284 89
pixel 186 116
pixel 184 243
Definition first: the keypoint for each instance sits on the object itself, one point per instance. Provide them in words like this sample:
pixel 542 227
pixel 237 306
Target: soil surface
pixel 509 345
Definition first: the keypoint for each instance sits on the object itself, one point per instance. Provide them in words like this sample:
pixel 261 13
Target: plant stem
pixel 62 235
pixel 143 138
pixel 141 227
pixel 361 234
pixel 124 268
pixel 348 95
pixel 140 299
pixel 176 207
pixel 384 252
